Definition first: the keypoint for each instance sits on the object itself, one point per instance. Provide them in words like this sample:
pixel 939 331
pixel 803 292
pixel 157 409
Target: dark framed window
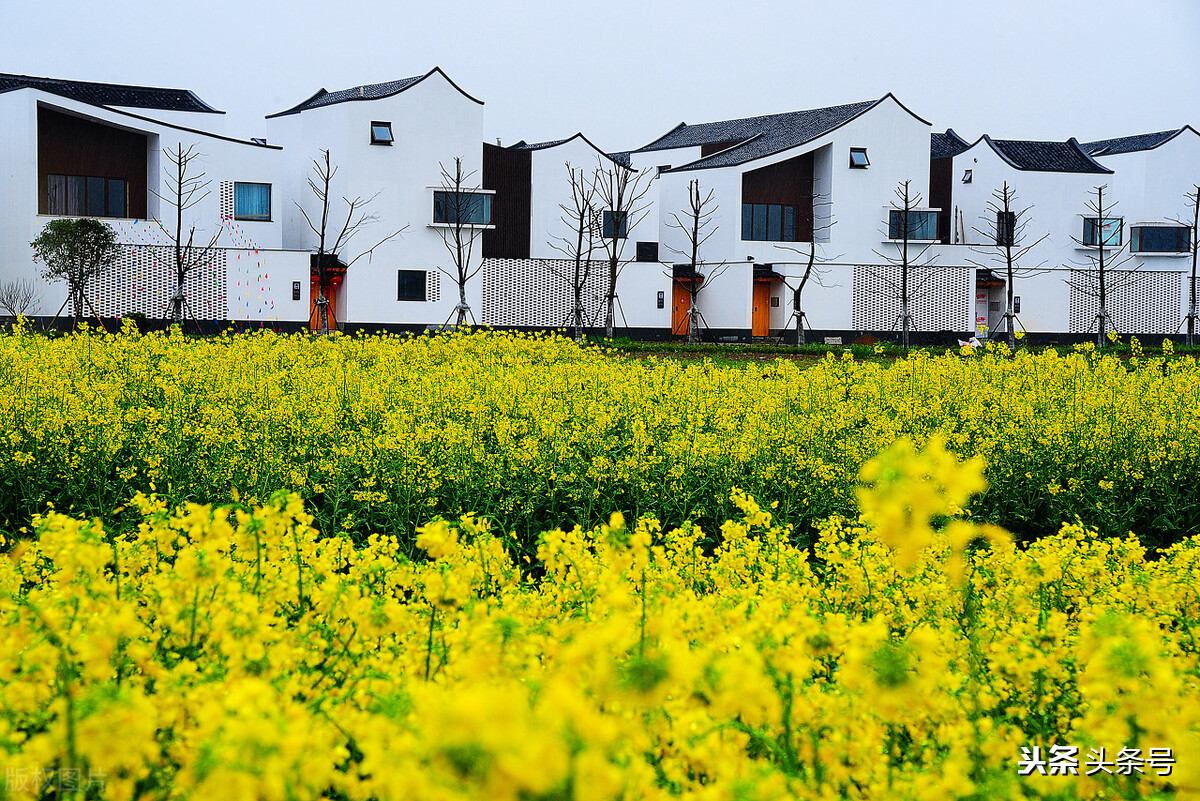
pixel 1105 232
pixel 622 228
pixel 87 196
pixel 647 251
pixel 770 222
pixel 462 208
pixel 858 158
pixel 921 225
pixel 252 202
pixel 1006 227
pixel 411 285
pixel 381 133
pixel 1160 239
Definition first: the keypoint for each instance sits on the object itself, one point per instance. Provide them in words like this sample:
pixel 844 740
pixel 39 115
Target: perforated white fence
pixel 143 280
pixel 433 286
pixel 940 298
pixel 537 292
pixel 1139 302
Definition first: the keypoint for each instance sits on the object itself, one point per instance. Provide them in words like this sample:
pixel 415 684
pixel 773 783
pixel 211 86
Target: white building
pixel 782 185
pixel 69 148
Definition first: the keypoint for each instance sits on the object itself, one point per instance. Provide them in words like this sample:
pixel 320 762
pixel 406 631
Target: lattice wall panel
pixel 433 286
pixel 537 292
pixel 940 298
pixel 226 200
pixel 1139 302
pixel 143 279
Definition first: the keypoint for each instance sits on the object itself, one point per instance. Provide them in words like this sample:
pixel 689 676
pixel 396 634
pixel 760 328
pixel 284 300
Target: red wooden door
pixel 760 322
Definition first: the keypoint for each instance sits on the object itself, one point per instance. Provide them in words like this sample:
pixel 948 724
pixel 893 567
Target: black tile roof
pixel 622 157
pixel 111 94
pixel 1131 144
pixel 756 137
pixel 1065 156
pixel 946 145
pixel 371 91
pixel 523 145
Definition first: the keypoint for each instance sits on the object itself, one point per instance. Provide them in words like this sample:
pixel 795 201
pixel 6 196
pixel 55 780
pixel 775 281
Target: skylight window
pixel 381 133
pixel 858 158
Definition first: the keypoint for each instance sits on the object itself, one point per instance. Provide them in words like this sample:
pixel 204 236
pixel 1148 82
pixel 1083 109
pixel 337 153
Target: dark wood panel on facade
pixel 510 174
pixel 788 183
pixel 941 194
pixel 70 145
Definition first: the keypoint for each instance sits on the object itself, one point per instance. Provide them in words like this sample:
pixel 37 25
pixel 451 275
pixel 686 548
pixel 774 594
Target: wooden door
pixel 681 304
pixel 314 318
pixel 760 322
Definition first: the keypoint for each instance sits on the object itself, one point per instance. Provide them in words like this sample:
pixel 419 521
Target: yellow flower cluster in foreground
pixel 384 433
pixel 232 653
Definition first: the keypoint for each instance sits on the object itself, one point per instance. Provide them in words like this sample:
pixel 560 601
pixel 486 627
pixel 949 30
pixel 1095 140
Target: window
pixel 462 208
pixel 966 179
pixel 1160 239
pixel 647 251
pixel 858 158
pixel 1006 227
pixel 770 222
pixel 87 196
pixel 411 285
pixel 252 202
pixel 1105 232
pixel 622 224
pixel 381 133
pixel 921 225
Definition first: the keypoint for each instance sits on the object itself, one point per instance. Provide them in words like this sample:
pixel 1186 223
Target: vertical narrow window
pixel 760 222
pixel 56 194
pixel 1006 225
pixel 774 223
pixel 789 224
pixel 96 195
pixel 76 195
pixel 118 198
pixel 747 222
pixel 252 202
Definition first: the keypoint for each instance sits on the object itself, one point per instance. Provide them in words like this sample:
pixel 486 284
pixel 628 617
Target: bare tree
pixel 461 211
pixel 580 243
pixel 1096 278
pixel 812 270
pixel 1005 227
pixel 911 258
pixel 18 296
pixel 1193 201
pixel 184 189
pixel 622 204
pixel 696 223
pixel 330 248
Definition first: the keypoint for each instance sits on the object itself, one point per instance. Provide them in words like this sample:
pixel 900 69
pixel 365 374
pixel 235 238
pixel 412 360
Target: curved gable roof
pixel 767 135
pixel 1034 156
pixel 947 145
pixel 111 94
pixel 1135 143
pixel 372 91
pixel 523 145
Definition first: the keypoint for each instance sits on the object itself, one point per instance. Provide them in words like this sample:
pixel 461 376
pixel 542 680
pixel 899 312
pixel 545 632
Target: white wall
pixel 432 123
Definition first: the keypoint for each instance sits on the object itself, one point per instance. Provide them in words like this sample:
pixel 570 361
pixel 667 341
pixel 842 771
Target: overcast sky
pixel 626 72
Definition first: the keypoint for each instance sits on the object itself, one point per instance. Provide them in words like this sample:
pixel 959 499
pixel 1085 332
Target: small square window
pixel 252 202
pixel 774 302
pixel 411 285
pixel 381 133
pixel 647 251
pixel 619 231
pixel 858 158
pixel 1106 232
